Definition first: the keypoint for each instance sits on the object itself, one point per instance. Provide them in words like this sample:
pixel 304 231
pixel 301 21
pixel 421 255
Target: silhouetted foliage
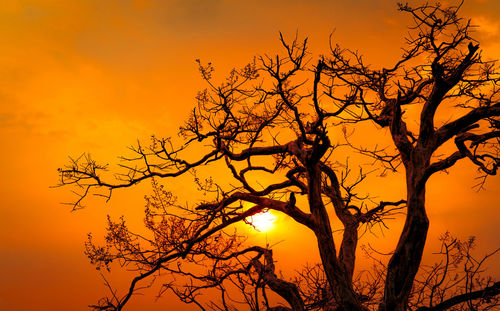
pixel 282 126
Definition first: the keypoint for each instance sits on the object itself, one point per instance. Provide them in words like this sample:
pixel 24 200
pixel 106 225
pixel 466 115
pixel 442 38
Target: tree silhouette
pixel 280 126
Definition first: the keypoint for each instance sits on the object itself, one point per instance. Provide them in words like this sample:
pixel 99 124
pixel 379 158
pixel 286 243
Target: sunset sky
pixel 94 76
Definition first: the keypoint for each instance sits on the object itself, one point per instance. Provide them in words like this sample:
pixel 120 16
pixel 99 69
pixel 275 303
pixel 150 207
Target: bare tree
pixel 288 121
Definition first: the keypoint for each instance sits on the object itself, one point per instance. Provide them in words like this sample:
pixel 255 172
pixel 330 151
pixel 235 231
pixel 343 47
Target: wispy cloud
pixel 486 26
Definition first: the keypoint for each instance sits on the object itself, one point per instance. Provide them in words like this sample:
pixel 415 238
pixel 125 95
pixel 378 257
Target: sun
pixel 262 222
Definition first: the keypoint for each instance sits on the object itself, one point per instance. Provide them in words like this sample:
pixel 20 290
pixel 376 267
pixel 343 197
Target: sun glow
pixel 262 222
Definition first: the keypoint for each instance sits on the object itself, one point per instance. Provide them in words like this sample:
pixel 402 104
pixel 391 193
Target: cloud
pixel 487 27
pixel 6 119
pixel 33 122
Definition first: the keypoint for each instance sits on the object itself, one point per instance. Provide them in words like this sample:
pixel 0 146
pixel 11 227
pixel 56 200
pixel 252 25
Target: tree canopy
pixel 281 127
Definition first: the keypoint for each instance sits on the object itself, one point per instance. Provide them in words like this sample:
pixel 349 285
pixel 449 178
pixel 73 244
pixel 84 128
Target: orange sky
pixel 93 76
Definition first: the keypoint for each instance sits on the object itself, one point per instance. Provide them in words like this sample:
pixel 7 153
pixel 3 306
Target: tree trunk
pixel 335 273
pixel 406 259
pixel 347 253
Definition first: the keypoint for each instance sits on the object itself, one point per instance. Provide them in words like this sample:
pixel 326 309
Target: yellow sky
pixel 80 76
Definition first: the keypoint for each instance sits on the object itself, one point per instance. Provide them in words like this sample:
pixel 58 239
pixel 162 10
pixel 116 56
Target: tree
pixel 286 122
